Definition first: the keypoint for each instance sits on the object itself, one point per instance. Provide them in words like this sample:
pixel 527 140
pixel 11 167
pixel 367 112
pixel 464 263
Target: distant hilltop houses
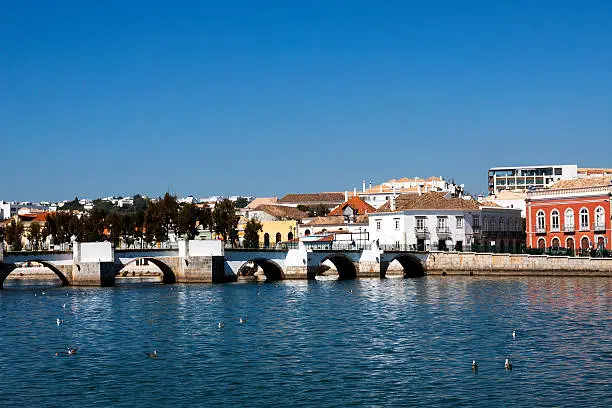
pixel 537 208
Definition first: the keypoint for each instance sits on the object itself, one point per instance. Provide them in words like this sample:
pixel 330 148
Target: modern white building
pixel 432 222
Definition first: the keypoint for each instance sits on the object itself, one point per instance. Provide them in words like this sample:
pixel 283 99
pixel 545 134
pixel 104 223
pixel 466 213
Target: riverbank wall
pixel 479 264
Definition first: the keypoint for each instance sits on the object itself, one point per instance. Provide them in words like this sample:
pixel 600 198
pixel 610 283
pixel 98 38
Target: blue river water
pixel 362 343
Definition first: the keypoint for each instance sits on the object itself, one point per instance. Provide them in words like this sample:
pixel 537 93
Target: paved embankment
pixel 467 263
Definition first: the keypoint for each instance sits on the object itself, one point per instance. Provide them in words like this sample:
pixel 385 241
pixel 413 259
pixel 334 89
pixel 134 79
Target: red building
pixel 573 214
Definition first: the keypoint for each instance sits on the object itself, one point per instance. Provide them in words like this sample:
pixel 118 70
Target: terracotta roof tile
pixel 582 182
pixel 324 198
pixel 357 204
pixel 333 220
pixel 261 200
pixel 282 211
pixel 429 201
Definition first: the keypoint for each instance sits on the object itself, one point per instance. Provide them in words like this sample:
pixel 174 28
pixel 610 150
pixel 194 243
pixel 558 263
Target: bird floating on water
pixel 72 351
pixel 508 365
pixel 474 365
pixel 64 305
pixel 243 320
pixel 221 325
pixel 43 293
pixel 152 355
pixel 59 321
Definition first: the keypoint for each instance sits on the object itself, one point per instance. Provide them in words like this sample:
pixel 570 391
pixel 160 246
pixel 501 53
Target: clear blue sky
pixel 273 97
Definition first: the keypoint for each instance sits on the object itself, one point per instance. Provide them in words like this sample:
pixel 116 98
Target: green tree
pixel 34 234
pixel 206 219
pixel 187 219
pixel 241 202
pixel 14 234
pixel 226 220
pixel 251 233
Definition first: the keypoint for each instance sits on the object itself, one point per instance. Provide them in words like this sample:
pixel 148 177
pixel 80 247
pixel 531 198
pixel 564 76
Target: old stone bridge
pixel 198 261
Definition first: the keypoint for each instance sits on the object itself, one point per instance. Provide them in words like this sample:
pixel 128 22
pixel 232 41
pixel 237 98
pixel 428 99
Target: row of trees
pixel 149 223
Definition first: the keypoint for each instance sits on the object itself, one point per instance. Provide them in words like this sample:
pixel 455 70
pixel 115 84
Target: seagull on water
pixel 43 293
pixel 474 365
pixel 243 320
pixel 152 355
pixel 64 305
pixel 72 351
pixel 508 365
pixel 221 325
pixel 513 334
pixel 59 321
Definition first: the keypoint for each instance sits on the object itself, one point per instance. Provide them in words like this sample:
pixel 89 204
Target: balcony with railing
pixel 584 227
pixel 599 226
pixel 555 228
pixel 442 230
pixel 569 228
pixel 421 232
pixel 540 230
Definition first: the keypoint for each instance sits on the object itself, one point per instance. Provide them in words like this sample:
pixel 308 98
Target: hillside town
pixel 553 209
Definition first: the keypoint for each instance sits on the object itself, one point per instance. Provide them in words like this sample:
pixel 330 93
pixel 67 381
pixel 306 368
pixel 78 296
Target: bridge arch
pixel 344 265
pixel 168 275
pixel 271 269
pixel 6 269
pixel 412 266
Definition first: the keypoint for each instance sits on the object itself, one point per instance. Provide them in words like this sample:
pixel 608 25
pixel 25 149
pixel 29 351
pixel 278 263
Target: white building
pixel 432 222
pixel 508 199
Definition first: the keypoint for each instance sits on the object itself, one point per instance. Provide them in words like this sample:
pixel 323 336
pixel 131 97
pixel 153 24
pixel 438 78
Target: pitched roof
pixel 329 220
pixel 357 204
pixel 328 197
pixel 36 217
pixel 282 211
pixel 506 195
pixel 582 182
pixel 261 200
pixel 429 201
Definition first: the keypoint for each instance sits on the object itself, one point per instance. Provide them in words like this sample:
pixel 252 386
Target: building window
pixel 459 222
pixel 396 223
pixel 600 218
pixel 541 243
pixel 377 225
pixel 420 223
pixel 584 219
pixel 554 220
pixel 569 220
pixel 540 221
pixel 502 226
pixel 476 221
pixel 442 223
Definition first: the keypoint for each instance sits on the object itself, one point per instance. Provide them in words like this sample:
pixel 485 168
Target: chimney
pixel 381 187
pixel 363 186
pixel 392 203
pixel 419 190
pixel 480 198
pixel 370 183
pixel 345 195
pixel 354 191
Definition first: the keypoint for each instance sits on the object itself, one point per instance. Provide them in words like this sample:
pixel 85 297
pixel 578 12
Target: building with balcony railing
pixel 433 221
pixel 582 206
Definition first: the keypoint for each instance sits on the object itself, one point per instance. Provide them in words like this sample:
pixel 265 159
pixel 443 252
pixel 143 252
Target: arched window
pixel 541 243
pixel 585 243
pixel 554 221
pixel 569 220
pixel 570 243
pixel 584 219
pixel 540 222
pixel 290 236
pixel 601 243
pixel 278 237
pixel 307 232
pixel 266 239
pixel 600 218
pixel 555 242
